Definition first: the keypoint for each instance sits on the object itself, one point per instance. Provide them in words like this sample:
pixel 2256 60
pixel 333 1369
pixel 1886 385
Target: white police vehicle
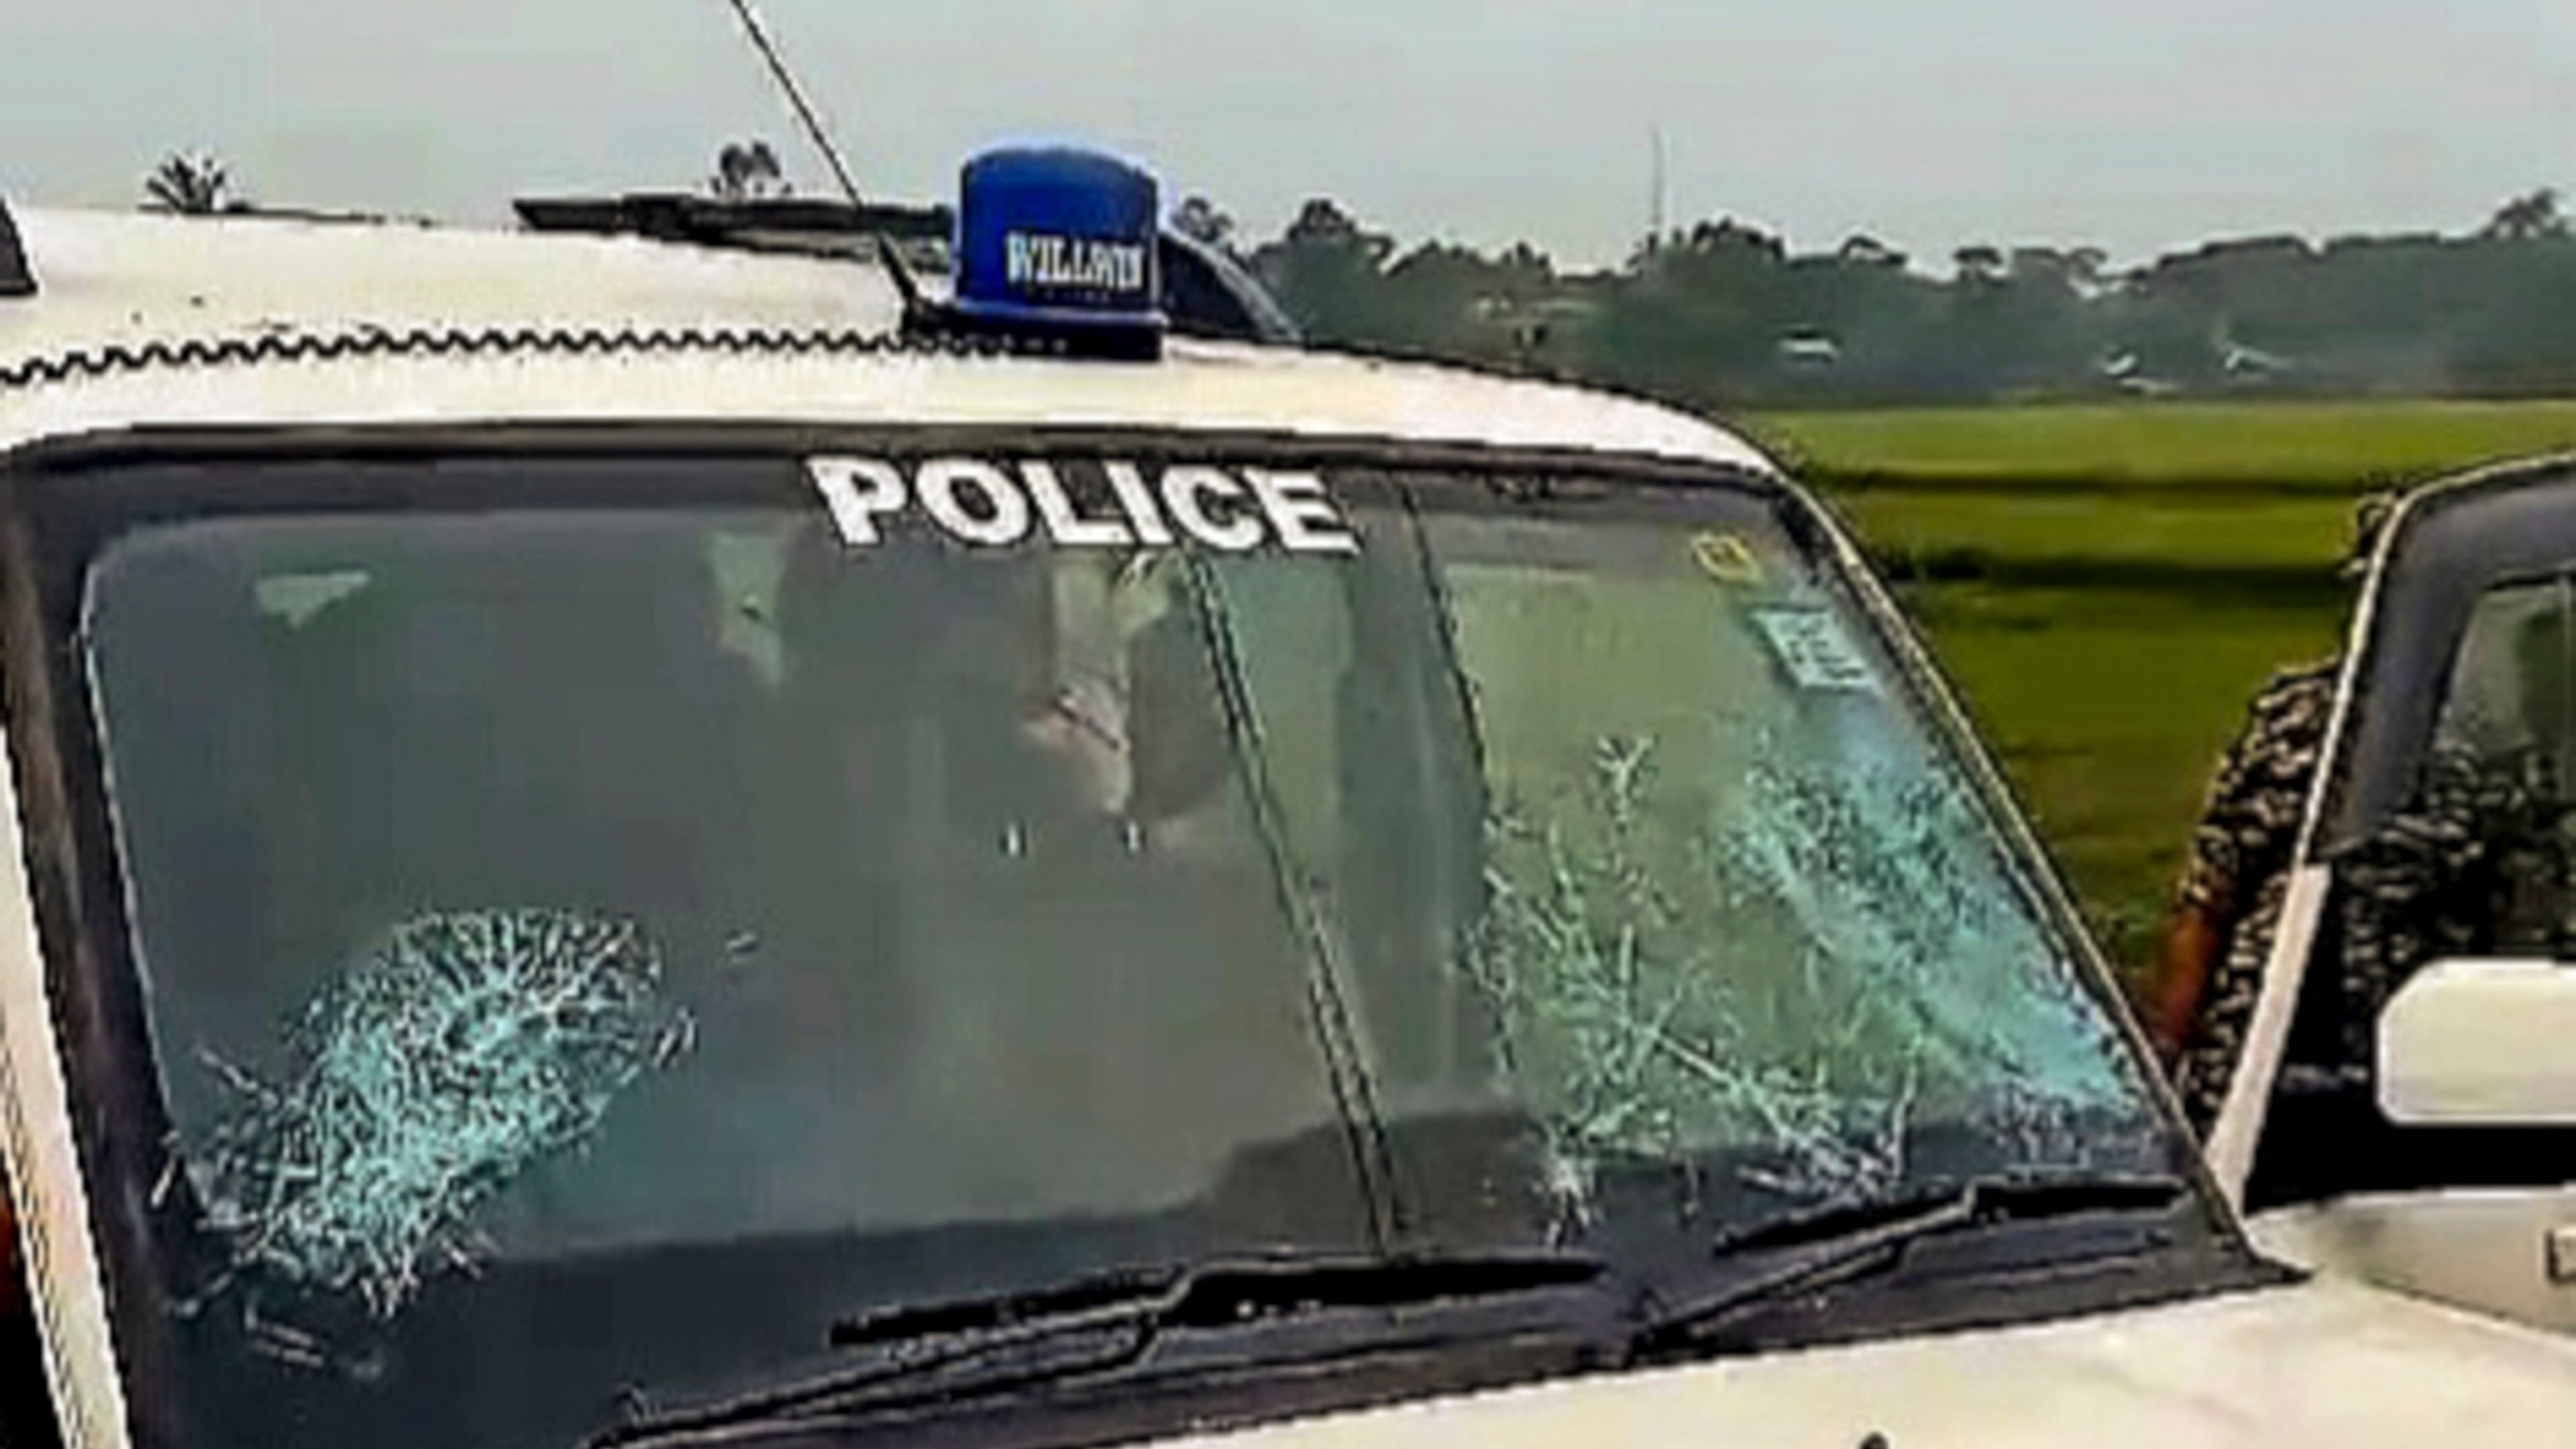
pixel 619 844
pixel 2404 1109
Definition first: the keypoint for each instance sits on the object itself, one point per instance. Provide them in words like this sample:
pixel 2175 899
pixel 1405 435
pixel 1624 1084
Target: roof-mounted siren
pixel 17 279
pixel 1058 244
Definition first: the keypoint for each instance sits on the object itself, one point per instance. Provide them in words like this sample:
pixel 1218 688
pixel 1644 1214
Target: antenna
pixel 1655 206
pixel 814 132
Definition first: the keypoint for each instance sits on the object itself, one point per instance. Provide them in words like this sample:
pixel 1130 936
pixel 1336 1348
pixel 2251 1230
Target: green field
pixel 2109 585
pixel 2108 707
pixel 2090 537
pixel 2307 447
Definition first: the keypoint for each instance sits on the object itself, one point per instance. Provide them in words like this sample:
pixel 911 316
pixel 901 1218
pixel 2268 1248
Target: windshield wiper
pixel 982 1347
pixel 1870 1239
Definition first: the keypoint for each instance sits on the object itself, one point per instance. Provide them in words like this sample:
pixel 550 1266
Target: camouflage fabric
pixel 2476 864
pixel 2480 861
pixel 2240 866
pixel 2250 822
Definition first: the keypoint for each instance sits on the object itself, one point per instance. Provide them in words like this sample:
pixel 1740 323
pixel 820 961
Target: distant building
pixel 2249 364
pixel 1810 348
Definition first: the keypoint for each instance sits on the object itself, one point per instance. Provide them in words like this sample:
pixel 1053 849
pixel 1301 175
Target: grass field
pixel 2108 707
pixel 2304 447
pixel 2090 536
pixel 2110 585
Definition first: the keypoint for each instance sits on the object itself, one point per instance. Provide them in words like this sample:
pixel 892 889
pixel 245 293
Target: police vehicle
pixel 623 843
pixel 2402 1107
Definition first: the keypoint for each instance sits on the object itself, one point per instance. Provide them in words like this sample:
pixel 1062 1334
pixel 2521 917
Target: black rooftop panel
pixel 16 280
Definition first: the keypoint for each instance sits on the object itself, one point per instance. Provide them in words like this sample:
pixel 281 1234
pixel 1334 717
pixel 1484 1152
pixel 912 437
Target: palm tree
pixel 190 184
pixel 2528 217
pixel 747 171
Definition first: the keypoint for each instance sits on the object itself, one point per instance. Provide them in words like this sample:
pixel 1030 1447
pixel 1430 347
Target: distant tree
pixel 748 171
pixel 1648 247
pixel 2044 266
pixel 1694 318
pixel 1860 249
pixel 1978 262
pixel 1330 273
pixel 1322 222
pixel 1529 272
pixel 189 183
pixel 1722 312
pixel 1729 237
pixel 2086 264
pixel 1203 220
pixel 2528 218
pixel 1442 300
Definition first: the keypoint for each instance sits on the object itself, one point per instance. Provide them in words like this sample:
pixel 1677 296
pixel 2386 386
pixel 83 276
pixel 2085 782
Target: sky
pixel 2137 127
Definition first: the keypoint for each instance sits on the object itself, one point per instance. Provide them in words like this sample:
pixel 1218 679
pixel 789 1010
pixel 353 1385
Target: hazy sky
pixel 2133 126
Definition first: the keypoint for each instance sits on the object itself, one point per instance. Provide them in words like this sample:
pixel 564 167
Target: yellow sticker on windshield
pixel 1727 558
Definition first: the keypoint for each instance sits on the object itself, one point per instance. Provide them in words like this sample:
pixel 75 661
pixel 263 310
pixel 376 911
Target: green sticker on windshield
pixel 1812 645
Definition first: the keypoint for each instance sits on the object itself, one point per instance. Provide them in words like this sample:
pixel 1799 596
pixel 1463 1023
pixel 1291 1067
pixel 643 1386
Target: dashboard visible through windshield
pixel 592 923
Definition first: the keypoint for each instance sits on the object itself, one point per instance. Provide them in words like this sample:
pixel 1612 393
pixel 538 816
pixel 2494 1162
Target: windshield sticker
pixel 992 503
pixel 463 1050
pixel 1727 558
pixel 1810 643
pixel 299 599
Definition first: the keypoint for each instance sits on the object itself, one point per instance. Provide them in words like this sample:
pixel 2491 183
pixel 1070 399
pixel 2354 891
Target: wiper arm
pixel 979 1347
pixel 1863 1241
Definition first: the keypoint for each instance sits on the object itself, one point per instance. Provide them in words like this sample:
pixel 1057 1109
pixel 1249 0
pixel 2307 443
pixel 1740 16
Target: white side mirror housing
pixel 2481 1043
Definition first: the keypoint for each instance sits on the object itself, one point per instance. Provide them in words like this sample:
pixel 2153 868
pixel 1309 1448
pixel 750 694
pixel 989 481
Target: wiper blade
pixel 1185 1297
pixel 980 1347
pixel 1871 1238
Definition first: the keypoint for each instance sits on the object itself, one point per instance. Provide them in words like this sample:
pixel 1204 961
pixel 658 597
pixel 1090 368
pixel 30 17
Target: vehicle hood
pixel 2326 1363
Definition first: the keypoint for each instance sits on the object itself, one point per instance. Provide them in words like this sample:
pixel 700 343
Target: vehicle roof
pixel 144 319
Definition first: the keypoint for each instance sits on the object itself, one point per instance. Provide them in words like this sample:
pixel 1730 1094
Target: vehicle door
pixel 2406 1108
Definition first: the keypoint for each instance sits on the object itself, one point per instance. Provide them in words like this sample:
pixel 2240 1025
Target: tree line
pixel 1723 313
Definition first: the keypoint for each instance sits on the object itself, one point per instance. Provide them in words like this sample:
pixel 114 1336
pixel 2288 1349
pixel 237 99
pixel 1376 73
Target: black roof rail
pixel 17 279
pixel 687 217
pixel 1205 292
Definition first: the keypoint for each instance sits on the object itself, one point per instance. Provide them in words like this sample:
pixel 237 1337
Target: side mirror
pixel 2481 1043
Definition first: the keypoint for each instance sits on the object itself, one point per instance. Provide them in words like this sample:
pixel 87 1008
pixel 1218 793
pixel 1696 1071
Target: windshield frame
pixel 54 521
pixel 2449 544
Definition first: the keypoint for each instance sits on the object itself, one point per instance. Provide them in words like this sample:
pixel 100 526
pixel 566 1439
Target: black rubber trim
pixel 204 352
pixel 16 278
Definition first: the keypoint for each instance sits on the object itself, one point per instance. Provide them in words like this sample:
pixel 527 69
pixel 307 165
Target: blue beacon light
pixel 1061 244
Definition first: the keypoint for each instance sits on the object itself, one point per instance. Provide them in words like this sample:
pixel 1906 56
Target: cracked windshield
pixel 1523 862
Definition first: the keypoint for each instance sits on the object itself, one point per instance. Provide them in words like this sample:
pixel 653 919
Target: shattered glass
pixel 464 1049
pixel 1728 902
pixel 1885 867
pixel 1645 1022
pixel 1619 1020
